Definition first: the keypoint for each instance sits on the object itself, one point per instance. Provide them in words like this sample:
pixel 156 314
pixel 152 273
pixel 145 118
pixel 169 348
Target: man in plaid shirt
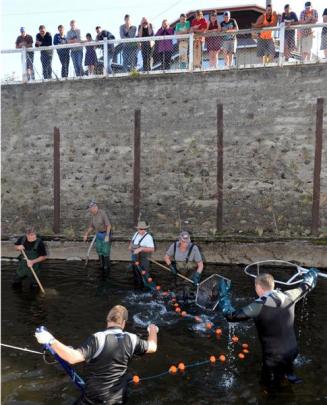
pixel 308 16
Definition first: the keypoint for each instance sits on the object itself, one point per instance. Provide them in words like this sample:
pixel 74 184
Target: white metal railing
pixel 176 53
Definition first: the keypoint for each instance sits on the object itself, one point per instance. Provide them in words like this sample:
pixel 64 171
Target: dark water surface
pixel 80 308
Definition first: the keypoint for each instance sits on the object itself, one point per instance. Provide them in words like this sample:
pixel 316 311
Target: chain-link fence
pixel 211 50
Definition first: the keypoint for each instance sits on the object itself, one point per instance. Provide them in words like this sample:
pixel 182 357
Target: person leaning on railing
pixel 127 31
pixel 229 25
pixel 213 42
pixel 74 37
pixel 289 18
pixel 44 38
pixel 101 35
pixel 265 42
pixel 63 54
pixel 199 26
pixel 26 41
pixel 307 16
pixel 182 27
pixel 165 47
pixel 145 29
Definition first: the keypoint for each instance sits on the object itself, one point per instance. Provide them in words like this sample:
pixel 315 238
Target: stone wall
pixel 269 142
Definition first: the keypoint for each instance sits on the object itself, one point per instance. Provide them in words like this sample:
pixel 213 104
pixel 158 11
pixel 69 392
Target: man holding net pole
pixel 273 314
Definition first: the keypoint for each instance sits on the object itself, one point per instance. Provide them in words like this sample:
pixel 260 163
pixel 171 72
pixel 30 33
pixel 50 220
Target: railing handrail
pixel 176 37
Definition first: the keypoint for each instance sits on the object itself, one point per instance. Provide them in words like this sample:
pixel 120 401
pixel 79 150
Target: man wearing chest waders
pixel 184 257
pixel 106 354
pixel 273 314
pixel 36 253
pixel 141 247
pixel 101 225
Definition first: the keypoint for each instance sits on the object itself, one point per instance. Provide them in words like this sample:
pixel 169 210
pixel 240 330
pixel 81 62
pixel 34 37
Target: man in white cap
pixel 101 225
pixel 26 41
pixel 141 246
pixel 184 257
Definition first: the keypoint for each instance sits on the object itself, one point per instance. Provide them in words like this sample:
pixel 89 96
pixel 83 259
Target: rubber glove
pixel 196 277
pixel 225 305
pixel 224 287
pixel 44 337
pixel 310 278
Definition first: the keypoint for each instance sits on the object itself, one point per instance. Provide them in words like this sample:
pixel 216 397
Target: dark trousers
pixel 276 366
pixel 64 60
pixel 146 55
pixel 165 59
pixel 46 60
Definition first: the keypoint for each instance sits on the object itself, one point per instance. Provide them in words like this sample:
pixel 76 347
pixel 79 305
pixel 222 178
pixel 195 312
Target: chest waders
pixel 140 280
pixel 185 267
pixel 103 249
pixel 23 270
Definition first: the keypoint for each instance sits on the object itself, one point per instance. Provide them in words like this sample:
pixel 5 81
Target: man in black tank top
pixel 273 314
pixel 107 354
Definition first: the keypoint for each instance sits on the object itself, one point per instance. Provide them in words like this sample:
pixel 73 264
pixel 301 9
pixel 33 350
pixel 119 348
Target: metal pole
pixel 317 168
pixel 105 57
pixel 220 166
pixel 56 180
pixel 190 52
pixel 281 44
pixel 23 60
pixel 137 165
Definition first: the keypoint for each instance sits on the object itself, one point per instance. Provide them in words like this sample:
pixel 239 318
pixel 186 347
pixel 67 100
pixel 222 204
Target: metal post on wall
pixel 56 180
pixel 220 167
pixel 137 166
pixel 317 168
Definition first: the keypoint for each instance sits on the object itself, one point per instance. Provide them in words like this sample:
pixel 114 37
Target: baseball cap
pixel 22 29
pixel 227 13
pixel 307 4
pixel 91 204
pixel 184 236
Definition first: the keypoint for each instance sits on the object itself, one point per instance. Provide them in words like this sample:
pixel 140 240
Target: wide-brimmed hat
pixel 142 225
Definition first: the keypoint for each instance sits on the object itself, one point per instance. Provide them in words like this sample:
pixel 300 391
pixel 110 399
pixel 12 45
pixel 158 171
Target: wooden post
pixel 220 167
pixel 137 166
pixel 317 168
pixel 56 180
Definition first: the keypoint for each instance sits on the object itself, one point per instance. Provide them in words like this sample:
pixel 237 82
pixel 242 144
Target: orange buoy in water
pixel 137 263
pixel 158 287
pixel 218 331
pixel 235 339
pixel 245 346
pixel 212 359
pixel 149 280
pixel 176 304
pixel 136 379
pixel 183 313
pixel 178 309
pixel 197 319
pixel 222 358
pixel 208 325
pixel 181 367
pixel 143 272
pixel 173 369
pixel 241 356
pixel 246 351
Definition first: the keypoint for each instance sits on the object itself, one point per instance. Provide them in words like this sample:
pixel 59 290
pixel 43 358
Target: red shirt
pixel 203 25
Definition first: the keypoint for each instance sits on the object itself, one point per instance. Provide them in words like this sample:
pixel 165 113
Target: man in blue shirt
pixel 60 39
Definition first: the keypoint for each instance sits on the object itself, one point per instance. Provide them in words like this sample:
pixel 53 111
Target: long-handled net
pixel 209 291
pixel 285 273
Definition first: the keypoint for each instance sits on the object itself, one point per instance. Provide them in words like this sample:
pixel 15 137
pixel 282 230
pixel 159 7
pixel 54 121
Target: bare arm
pixel 258 23
pixel 200 267
pixel 72 356
pixel 152 339
pixel 167 260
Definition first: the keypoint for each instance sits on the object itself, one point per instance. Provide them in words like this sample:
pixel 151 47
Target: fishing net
pixel 285 273
pixel 209 291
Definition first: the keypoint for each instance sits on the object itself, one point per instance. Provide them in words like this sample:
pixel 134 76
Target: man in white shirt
pixel 141 246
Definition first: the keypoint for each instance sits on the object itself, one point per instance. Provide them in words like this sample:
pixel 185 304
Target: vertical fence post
pixel 190 52
pixel 220 167
pixel 281 44
pixel 105 56
pixel 317 168
pixel 137 165
pixel 23 60
pixel 56 180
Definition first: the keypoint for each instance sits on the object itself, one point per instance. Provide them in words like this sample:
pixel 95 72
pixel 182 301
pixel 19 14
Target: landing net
pixel 208 292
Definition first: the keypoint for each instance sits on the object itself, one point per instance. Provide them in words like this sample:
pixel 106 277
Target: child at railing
pixel 90 56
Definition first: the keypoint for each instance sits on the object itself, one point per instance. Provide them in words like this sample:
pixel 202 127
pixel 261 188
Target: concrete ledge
pixel 306 252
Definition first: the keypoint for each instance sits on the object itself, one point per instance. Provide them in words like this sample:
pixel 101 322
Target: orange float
pixel 183 313
pixel 181 367
pixel 136 379
pixel 158 287
pixel 222 358
pixel 235 339
pixel 173 369
pixel 241 356
pixel 245 351
pixel 218 331
pixel 178 309
pixel 212 359
pixel 150 280
pixel 197 319
pixel 208 325
pixel 245 346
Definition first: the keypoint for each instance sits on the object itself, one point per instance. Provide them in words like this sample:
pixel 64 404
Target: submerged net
pixel 209 291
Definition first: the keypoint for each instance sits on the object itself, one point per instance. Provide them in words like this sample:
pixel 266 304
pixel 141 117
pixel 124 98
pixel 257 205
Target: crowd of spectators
pixel 219 37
